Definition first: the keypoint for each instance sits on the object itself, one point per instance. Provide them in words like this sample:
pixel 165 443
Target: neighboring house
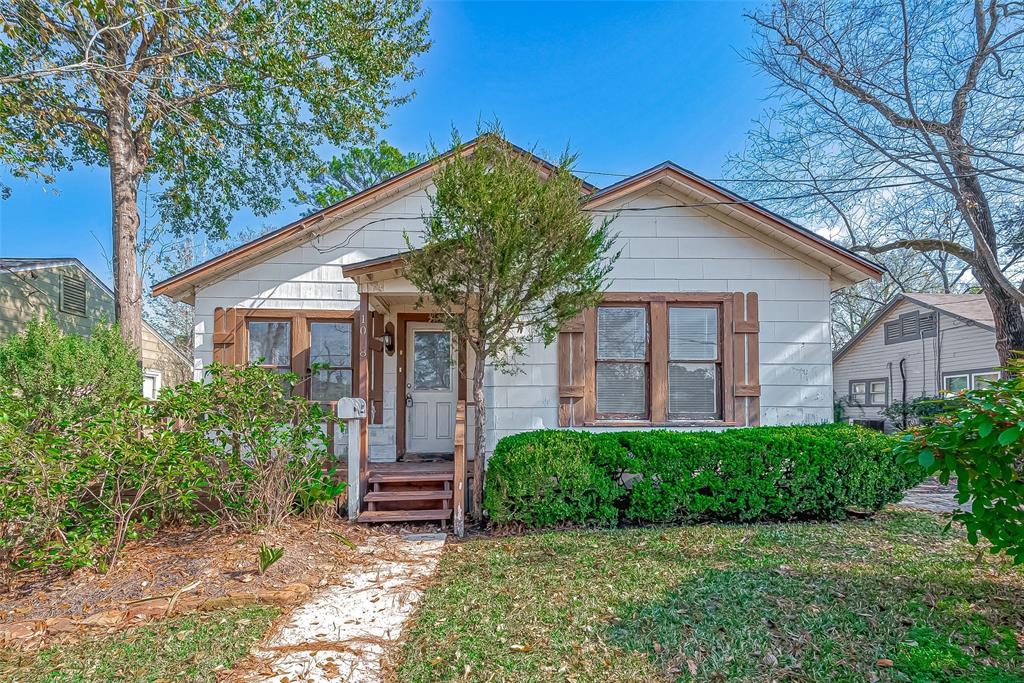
pixel 67 290
pixel 917 345
pixel 717 315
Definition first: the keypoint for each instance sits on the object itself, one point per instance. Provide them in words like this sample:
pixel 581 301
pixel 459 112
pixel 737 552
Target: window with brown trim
pixel 330 360
pixel 623 362
pixel 694 363
pixel 270 344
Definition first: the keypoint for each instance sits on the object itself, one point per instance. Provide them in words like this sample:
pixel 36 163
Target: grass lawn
pixel 185 648
pixel 891 598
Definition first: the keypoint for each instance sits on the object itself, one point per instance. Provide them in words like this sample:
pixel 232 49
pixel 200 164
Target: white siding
pixel 958 347
pixel 685 250
pixel 666 250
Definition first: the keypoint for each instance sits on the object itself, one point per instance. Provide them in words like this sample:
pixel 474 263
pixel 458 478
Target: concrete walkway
pixel 932 496
pixel 342 632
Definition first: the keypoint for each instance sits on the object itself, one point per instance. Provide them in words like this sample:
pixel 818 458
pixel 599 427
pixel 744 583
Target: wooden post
pixel 364 388
pixel 459 483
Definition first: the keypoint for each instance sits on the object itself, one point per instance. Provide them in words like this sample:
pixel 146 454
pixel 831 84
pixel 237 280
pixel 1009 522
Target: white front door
pixel 431 390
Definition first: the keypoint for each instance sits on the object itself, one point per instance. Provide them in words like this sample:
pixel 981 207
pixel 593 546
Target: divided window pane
pixel 693 391
pixel 330 348
pixel 270 344
pixel 692 333
pixel 622 372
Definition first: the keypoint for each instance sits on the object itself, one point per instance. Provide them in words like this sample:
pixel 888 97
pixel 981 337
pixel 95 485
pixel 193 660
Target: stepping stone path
pixel 933 496
pixel 341 633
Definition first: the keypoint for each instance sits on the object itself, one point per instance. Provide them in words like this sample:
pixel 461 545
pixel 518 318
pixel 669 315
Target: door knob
pixel 408 401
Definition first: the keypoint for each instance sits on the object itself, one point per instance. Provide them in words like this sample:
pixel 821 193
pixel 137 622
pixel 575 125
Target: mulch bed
pixel 178 570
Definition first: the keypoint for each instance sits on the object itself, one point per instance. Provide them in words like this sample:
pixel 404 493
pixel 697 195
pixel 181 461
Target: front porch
pixel 412 380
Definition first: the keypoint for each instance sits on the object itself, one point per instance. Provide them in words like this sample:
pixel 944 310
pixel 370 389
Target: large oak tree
pixel 899 124
pixel 220 104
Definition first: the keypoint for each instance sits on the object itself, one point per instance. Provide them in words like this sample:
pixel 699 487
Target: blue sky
pixel 626 85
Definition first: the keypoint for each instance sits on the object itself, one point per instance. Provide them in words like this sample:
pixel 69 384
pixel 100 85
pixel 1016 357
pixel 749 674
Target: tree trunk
pixel 1006 313
pixel 974 207
pixel 480 407
pixel 125 176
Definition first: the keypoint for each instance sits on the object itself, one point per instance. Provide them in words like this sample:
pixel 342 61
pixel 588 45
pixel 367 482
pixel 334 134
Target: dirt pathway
pixel 933 496
pixel 341 633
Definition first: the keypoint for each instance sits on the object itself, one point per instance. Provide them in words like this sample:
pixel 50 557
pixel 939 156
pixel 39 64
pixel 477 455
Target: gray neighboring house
pixel 917 345
pixel 78 300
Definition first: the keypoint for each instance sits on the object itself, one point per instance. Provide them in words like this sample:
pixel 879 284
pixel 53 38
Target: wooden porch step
pixel 407 477
pixel 403 515
pixel 386 496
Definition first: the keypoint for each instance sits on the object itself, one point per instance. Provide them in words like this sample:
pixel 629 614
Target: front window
pixel 330 359
pixel 981 380
pixel 693 363
pixel 270 344
pixel 622 362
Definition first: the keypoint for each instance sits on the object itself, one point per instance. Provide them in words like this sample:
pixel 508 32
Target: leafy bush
pixel 978 439
pixel 67 376
pixel 921 410
pixel 546 477
pixel 75 484
pixel 760 473
pixel 72 492
pixel 268 448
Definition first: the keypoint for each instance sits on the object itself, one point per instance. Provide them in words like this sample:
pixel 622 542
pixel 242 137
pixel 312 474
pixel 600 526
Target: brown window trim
pixel 299 320
pixel 657 304
pixel 646 362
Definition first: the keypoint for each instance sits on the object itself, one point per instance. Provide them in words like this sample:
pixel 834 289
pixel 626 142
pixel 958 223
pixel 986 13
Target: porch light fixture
pixel 387 339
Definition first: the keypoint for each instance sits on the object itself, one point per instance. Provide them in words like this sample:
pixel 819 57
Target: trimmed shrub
pixel 759 473
pixel 546 477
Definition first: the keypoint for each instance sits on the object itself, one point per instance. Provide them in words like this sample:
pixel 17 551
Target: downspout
pixel 903 380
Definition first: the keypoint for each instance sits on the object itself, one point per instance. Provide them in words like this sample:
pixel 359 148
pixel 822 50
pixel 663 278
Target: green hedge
pixel 549 477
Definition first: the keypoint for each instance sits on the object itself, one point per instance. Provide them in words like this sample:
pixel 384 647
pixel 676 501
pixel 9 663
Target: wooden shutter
pixel 571 373
pixel 376 367
pixel 226 337
pixel 746 382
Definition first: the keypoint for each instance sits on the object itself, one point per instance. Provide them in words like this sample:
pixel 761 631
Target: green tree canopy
pixel 357 169
pixel 220 104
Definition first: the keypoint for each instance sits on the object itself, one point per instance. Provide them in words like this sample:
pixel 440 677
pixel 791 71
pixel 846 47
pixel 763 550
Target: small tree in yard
pixel 508 257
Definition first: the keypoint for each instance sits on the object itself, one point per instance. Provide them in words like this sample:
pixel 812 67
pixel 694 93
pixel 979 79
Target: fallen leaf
pixel 885 663
pixel 520 648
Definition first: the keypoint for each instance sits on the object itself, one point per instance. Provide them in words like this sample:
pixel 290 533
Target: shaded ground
pixel 195 648
pixel 891 598
pixel 933 496
pixel 216 567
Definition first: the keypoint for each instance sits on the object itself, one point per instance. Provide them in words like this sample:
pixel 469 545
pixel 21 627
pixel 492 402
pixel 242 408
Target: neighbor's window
pixel 623 355
pixel 981 380
pixel 270 344
pixel 870 393
pixel 955 383
pixel 693 363
pixel 330 360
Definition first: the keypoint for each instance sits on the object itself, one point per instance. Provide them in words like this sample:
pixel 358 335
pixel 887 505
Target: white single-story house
pixel 716 315
pixel 916 345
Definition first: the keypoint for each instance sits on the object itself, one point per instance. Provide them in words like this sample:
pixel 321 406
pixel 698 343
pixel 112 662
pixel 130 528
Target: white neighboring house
pixel 917 345
pixel 717 315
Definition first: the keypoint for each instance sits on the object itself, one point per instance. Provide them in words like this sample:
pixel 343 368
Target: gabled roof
pixel 972 309
pixel 850 264
pixel 17 265
pixel 180 285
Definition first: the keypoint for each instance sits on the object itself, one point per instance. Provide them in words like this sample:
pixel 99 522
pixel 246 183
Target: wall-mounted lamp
pixel 388 339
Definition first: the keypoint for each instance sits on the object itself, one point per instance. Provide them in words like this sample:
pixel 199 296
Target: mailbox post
pixel 352 410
